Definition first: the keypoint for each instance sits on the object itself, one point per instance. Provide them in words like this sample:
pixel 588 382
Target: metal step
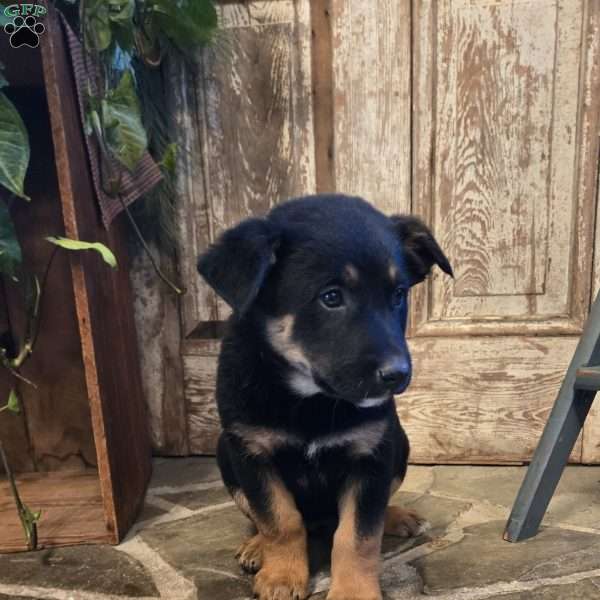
pixel 587 378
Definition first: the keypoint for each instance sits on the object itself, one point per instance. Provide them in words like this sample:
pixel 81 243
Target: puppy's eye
pixel 332 298
pixel 399 296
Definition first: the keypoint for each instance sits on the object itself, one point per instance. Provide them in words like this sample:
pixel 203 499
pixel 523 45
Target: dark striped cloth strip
pixel 133 184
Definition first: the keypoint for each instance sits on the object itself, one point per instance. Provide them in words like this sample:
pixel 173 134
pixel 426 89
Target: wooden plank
pixel 103 303
pixel 248 114
pixel 322 75
pixel 199 303
pixel 482 401
pixel 372 101
pixel 72 510
pixel 498 205
pixel 57 410
pixel 200 368
pixel 156 311
pixel 589 189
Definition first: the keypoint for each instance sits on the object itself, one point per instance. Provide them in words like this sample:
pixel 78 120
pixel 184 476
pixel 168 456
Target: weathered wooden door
pixel 505 162
pixel 481 116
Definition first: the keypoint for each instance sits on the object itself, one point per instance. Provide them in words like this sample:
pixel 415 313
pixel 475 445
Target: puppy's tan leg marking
pixel 355 560
pixel 250 553
pixel 284 571
pixel 402 522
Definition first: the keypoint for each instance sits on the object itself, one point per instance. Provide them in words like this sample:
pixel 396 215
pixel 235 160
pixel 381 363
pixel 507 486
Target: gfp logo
pixel 25 28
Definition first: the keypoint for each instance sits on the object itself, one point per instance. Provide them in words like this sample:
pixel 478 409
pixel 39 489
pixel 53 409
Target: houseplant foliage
pixel 127 40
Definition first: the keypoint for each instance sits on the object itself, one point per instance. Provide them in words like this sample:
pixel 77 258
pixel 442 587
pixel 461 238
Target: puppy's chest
pixel 354 442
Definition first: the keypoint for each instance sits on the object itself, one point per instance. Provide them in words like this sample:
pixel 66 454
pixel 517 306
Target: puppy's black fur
pixel 315 351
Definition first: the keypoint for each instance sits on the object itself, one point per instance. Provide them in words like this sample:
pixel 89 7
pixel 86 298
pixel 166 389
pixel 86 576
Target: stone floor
pixel 182 546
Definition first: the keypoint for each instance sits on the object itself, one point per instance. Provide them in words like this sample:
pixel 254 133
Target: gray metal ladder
pixel 568 415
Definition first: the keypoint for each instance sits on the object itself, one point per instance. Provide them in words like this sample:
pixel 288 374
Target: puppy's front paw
pixel 281 582
pixel 403 522
pixel 250 554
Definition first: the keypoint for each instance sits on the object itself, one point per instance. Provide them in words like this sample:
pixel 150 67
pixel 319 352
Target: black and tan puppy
pixel 307 373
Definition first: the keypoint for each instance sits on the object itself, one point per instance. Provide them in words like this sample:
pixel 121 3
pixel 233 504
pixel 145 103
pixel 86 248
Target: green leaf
pixel 124 132
pixel 13 402
pixel 169 159
pixel 121 18
pixel 108 21
pixel 14 148
pixel 188 23
pixel 96 31
pixel 29 521
pixel 68 244
pixel 10 250
pixel 121 11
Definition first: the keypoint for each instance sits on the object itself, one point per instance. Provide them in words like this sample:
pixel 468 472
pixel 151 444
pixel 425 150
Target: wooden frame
pixel 88 505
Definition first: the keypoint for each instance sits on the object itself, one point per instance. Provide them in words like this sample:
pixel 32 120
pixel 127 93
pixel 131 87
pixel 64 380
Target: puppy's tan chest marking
pixel 264 440
pixel 361 440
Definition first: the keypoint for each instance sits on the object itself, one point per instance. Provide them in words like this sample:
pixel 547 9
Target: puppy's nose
pixel 394 371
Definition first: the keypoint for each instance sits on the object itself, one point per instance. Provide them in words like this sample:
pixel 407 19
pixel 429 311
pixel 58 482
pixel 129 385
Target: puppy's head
pixel 328 277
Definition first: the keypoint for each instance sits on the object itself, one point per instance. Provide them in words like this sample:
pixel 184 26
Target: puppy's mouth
pixel 361 398
pixel 307 381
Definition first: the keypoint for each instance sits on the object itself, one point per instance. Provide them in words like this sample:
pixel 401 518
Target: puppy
pixel 307 373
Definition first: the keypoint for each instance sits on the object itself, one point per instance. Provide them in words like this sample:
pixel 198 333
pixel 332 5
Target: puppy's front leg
pixel 284 571
pixel 355 560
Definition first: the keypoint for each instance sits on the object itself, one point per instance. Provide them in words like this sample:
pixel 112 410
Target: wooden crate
pixel 81 446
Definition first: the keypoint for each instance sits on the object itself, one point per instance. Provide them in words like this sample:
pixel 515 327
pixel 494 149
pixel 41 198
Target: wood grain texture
pixel 323 111
pixel 498 135
pixel 477 115
pixel 249 103
pixel 372 101
pixel 588 185
pixel 483 400
pixel 57 411
pixel 103 304
pixel 72 510
pixel 199 303
pixel 200 367
pixel 156 311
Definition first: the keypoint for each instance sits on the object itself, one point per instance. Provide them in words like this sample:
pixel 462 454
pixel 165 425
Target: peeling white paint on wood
pixel 372 106
pixel 498 145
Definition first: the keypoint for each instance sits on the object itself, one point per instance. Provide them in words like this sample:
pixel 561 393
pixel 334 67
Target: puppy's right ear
pixel 237 265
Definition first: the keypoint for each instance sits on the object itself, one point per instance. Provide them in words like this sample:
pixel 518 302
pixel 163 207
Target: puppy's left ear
pixel 237 265
pixel 422 249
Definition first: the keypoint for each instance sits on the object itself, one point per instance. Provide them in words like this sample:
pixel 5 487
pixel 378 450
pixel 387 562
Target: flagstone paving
pixel 182 547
